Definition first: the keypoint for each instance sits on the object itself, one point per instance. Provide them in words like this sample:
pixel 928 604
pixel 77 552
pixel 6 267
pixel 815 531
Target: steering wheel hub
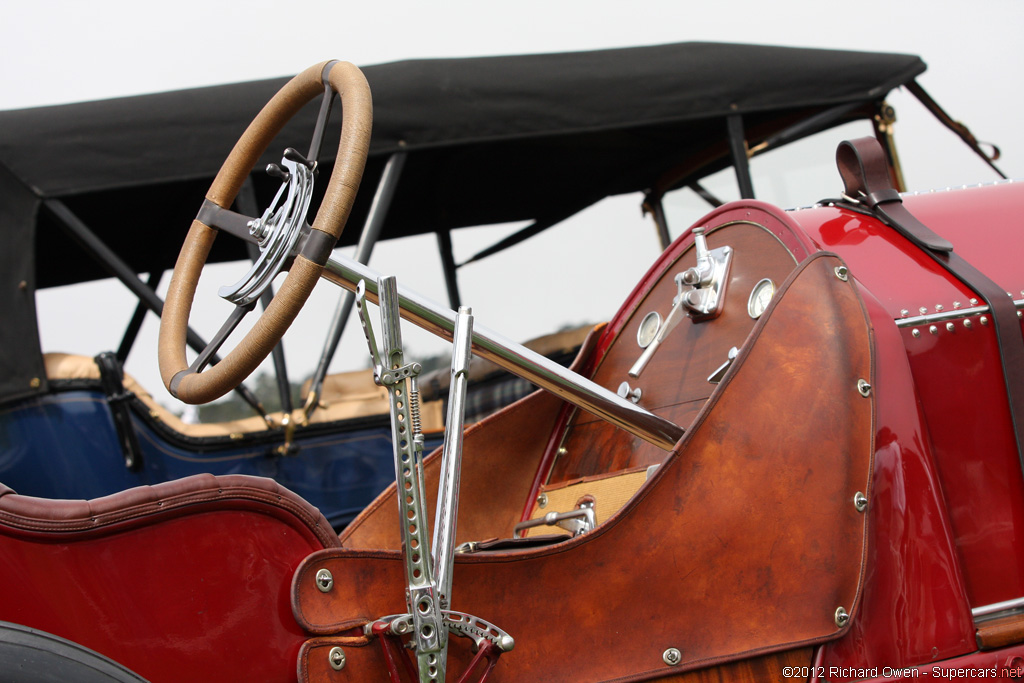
pixel 277 231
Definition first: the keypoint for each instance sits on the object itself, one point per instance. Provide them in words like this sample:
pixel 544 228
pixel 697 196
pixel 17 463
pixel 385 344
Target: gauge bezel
pixel 754 309
pixel 644 335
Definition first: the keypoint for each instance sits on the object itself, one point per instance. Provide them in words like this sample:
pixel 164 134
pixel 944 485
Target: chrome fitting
pixel 324 580
pixel 336 657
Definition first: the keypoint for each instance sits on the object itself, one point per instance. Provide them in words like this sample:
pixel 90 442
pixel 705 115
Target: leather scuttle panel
pixel 743 543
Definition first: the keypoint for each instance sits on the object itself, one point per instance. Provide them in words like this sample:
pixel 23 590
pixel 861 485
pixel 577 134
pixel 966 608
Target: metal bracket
pixel 459 623
pixel 703 300
pixel 707 280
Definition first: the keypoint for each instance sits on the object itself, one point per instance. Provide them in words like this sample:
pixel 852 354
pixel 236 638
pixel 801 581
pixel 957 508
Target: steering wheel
pixel 281 234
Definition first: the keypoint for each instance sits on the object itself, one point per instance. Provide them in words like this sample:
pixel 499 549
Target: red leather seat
pixel 184 580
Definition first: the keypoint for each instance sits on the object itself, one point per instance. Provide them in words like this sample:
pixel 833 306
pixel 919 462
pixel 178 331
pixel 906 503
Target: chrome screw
pixel 864 388
pixel 860 501
pixel 672 656
pixel 324 580
pixel 842 617
pixel 542 500
pixel 843 273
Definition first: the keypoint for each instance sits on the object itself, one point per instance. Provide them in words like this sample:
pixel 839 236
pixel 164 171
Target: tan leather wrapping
pixel 744 542
pixel 350 84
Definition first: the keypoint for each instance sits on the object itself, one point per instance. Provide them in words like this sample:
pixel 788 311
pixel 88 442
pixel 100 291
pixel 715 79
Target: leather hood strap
pixel 865 174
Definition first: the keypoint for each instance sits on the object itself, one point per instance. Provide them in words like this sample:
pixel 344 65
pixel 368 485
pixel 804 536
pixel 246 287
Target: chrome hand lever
pixel 451 466
pixel 399 378
pixel 671 320
pixel 428 575
pixel 451 458
pixel 577 522
pixel 719 373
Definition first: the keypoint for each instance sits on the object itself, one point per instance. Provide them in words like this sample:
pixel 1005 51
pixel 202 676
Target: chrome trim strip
pixel 944 316
pixel 516 358
pixel 997 607
pixel 941 316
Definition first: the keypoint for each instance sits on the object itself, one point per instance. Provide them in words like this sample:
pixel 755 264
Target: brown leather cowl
pixel 744 543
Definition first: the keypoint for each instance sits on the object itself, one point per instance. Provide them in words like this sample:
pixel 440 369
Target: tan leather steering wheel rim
pixel 215 381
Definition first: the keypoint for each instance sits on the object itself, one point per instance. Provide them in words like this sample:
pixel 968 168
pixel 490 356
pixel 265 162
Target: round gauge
pixel 649 327
pixel 760 297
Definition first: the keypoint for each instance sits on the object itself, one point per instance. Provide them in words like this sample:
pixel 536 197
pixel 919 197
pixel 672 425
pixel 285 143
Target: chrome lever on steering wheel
pixel 278 230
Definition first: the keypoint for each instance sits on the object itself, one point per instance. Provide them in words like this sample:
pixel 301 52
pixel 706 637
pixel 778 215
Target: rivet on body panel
pixel 933 329
pixel 916 332
pixel 864 388
pixel 843 273
pixel 860 501
pixel 842 617
pixel 950 327
pixel 984 320
pixel 337 658
pixel 968 323
pixel 324 580
pixel 672 656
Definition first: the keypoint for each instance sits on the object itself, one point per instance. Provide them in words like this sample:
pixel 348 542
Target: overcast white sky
pixel 55 52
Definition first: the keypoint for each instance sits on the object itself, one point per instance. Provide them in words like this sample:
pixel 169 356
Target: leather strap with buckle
pixel 863 167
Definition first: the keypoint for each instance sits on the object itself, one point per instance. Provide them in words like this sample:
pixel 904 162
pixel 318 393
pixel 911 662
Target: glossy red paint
pixel 202 597
pixel 957 372
pixel 913 608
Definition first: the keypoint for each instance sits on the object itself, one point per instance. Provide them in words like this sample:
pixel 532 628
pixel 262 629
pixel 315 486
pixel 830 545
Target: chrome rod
pixel 367 240
pixel 517 359
pixel 446 515
pixel 997 608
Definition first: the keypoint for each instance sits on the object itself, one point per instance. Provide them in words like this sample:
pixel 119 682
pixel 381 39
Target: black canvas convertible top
pixel 489 140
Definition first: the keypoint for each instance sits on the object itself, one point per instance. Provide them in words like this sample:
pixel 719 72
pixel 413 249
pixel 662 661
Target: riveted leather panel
pixel 745 541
